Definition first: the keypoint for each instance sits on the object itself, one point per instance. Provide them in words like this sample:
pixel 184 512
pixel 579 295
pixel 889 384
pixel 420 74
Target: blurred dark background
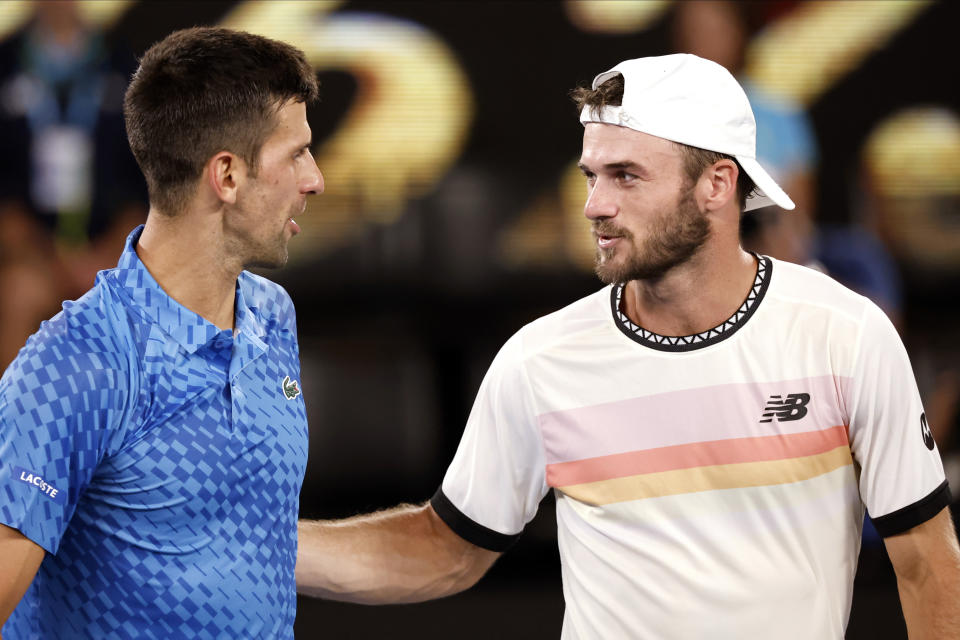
pixel 452 215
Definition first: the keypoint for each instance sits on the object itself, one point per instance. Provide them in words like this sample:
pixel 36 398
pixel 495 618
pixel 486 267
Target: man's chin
pixel 608 272
pixel 269 262
pixel 615 273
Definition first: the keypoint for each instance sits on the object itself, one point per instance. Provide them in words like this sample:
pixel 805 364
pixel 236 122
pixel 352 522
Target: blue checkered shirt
pixel 159 461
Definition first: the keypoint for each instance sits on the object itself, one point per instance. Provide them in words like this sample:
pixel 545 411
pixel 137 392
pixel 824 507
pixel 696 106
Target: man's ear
pixel 719 184
pixel 224 172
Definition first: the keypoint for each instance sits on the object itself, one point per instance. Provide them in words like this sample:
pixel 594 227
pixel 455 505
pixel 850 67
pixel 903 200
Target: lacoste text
pixel 36 480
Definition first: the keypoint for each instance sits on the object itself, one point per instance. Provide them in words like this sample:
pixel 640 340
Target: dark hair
pixel 204 90
pixel 695 159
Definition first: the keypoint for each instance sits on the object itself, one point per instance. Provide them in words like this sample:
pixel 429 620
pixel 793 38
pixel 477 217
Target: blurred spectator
pixel 70 190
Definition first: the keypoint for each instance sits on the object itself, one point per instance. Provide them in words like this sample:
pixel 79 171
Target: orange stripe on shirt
pixel 708 478
pixel 699 454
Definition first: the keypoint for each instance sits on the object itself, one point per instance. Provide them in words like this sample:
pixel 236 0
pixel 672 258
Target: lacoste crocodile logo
pixel 290 388
pixel 793 407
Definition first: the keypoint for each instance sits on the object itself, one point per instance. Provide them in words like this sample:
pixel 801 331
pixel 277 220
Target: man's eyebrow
pixel 618 166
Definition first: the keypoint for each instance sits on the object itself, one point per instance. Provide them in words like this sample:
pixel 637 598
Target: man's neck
pixel 184 257
pixel 694 297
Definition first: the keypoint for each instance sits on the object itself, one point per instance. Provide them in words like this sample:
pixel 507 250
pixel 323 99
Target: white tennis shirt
pixel 707 486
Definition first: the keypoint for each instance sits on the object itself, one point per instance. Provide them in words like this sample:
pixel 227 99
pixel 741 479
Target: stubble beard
pixel 264 261
pixel 258 251
pixel 269 255
pixel 671 241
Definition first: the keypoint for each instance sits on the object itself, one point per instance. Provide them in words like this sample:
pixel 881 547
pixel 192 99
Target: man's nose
pixel 314 181
pixel 600 202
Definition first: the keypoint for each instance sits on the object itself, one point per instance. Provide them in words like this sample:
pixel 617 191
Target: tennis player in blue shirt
pixel 153 436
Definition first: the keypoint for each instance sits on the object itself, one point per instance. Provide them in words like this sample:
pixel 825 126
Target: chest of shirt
pixel 607 412
pixel 215 436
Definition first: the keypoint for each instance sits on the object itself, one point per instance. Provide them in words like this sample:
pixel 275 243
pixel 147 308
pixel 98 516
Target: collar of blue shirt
pixel 188 329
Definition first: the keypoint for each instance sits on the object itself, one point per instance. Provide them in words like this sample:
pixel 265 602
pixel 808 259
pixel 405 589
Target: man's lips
pixel 605 242
pixel 293 223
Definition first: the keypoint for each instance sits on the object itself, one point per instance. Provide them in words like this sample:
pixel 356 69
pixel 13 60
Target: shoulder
pixel 268 301
pixel 576 320
pixel 86 348
pixel 95 323
pixel 802 287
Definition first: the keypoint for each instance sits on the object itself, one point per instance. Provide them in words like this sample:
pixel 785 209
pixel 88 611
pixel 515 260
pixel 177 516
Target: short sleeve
pixel 901 475
pixel 497 478
pixel 58 402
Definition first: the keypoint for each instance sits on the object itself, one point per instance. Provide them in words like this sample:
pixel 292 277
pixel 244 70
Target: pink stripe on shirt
pixel 700 454
pixel 687 416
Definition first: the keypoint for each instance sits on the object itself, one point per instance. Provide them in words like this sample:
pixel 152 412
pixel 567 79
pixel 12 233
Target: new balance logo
pixel 793 407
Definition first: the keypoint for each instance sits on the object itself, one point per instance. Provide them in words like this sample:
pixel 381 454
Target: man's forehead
pixel 291 121
pixel 609 143
pixel 292 113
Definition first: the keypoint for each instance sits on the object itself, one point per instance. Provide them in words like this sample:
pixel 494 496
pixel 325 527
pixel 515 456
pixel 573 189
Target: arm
pixel 20 558
pixel 926 559
pixel 405 554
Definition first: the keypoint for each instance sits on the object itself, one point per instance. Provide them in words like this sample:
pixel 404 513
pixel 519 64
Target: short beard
pixel 275 261
pixel 672 240
pixel 253 254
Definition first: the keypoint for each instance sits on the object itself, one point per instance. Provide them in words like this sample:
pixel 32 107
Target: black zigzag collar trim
pixel 697 341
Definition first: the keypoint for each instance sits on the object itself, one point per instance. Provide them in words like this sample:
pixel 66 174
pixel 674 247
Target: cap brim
pixel 768 192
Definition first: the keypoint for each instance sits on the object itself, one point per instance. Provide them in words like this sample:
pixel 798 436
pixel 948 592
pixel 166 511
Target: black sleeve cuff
pixel 917 513
pixel 467 528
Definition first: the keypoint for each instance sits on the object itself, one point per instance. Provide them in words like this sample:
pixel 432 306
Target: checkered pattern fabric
pixel 159 461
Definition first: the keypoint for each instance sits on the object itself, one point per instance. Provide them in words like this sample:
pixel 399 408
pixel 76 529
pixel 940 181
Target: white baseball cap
pixel 693 101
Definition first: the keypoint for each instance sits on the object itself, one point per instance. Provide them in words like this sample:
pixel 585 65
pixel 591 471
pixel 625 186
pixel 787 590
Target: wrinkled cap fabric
pixel 693 101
